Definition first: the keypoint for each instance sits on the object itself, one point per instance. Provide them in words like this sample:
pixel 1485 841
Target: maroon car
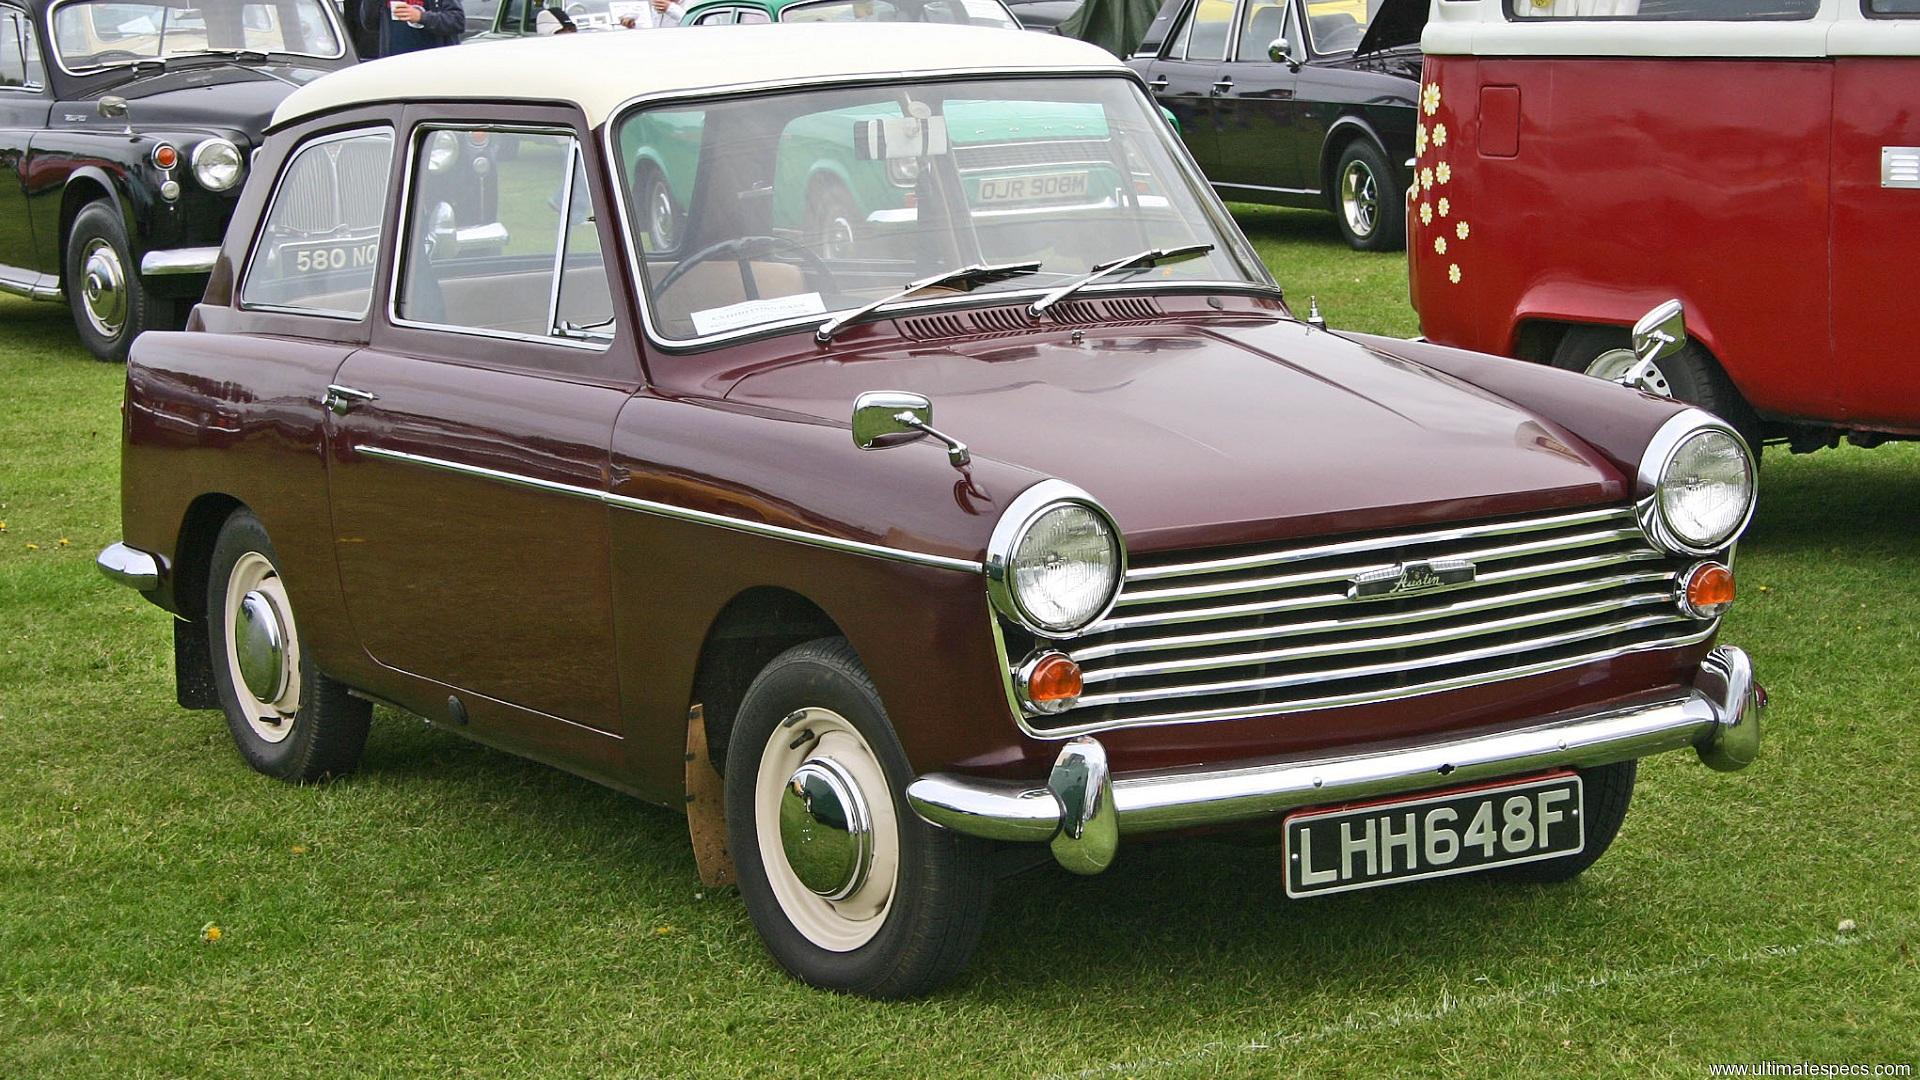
pixel 683 519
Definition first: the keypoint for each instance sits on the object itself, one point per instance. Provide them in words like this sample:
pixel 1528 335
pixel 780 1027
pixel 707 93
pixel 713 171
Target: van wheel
pixel 110 304
pixel 1608 791
pixel 1367 200
pixel 1690 375
pixel 848 888
pixel 287 719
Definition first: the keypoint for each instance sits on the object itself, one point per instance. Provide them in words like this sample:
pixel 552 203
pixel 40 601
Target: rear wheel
pixel 660 212
pixel 287 719
pixel 832 231
pixel 1607 791
pixel 1367 200
pixel 110 303
pixel 848 888
pixel 1690 375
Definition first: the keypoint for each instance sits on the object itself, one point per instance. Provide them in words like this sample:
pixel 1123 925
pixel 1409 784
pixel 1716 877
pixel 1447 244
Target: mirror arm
pixel 957 453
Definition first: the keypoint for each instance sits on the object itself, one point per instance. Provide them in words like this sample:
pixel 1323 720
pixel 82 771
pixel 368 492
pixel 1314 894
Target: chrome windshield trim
pixel 680 513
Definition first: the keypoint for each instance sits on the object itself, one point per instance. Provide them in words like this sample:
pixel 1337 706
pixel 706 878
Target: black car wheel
pixel 659 212
pixel 1690 375
pixel 111 305
pixel 848 888
pixel 288 720
pixel 831 217
pixel 1367 201
pixel 1608 791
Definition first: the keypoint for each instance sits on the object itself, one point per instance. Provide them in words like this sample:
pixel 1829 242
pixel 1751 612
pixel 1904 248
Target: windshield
pixel 1336 26
pixel 783 209
pixel 952 12
pixel 92 34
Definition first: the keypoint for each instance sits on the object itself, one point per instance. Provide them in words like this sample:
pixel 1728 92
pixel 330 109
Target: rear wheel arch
pixel 193 551
pixel 754 627
pixel 1344 132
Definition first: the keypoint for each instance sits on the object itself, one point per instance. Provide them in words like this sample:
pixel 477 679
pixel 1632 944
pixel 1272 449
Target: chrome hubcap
pixel 660 216
pixel 103 288
pixel 260 646
pixel 1359 198
pixel 825 829
pixel 1614 364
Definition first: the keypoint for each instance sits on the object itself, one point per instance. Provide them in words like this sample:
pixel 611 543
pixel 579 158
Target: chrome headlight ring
pixel 1021 515
pixel 1661 452
pixel 218 164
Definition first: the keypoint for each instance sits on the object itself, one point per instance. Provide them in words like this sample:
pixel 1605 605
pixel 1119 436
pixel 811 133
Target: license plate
pixel 1006 189
pixel 1385 843
pixel 330 256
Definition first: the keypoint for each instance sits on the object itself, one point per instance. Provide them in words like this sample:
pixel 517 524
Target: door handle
pixel 1221 86
pixel 341 400
pixel 1157 83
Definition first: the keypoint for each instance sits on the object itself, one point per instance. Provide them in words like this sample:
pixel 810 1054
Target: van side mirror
pixel 1660 333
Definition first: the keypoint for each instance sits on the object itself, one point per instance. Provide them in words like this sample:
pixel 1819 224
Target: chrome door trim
pixel 678 513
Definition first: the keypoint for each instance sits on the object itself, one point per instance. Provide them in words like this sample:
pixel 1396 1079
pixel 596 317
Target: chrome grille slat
pixel 1498 577
pixel 1378 644
pixel 1342 573
pixel 1624 515
pixel 1124 697
pixel 1447 610
pixel 1244 633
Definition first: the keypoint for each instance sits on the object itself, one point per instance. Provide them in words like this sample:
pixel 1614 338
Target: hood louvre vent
pixel 999 320
pixel 1119 309
pixel 929 327
pixel 1013 320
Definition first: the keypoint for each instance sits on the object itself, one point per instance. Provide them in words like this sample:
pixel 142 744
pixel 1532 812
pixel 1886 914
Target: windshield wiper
pixel 1139 260
pixel 965 278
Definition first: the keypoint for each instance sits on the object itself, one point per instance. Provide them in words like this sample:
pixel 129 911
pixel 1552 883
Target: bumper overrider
pixel 1083 808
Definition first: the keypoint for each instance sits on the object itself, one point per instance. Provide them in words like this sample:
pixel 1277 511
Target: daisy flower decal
pixel 1453 273
pixel 1439 245
pixel 1439 134
pixel 1430 98
pixel 1460 230
pixel 1426 213
pixel 1443 172
pixel 1419 140
pixel 1426 179
pixel 1445 207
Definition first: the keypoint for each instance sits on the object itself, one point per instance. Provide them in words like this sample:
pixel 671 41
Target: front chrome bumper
pixel 129 566
pixel 197 260
pixel 1083 809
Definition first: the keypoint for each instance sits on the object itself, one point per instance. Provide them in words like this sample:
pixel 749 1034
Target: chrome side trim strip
pixel 680 513
pixel 1394 540
pixel 129 566
pixel 196 260
pixel 31 285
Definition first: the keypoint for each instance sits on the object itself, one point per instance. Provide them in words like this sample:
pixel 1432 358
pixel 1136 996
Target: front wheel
pixel 110 304
pixel 287 719
pixel 1608 792
pixel 848 888
pixel 1367 200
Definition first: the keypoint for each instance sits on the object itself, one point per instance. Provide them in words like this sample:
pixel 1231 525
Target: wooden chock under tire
pixel 706 807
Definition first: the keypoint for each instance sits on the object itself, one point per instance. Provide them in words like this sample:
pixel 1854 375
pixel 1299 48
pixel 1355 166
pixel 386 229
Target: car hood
pixel 1225 433
pixel 1396 24
pixel 230 97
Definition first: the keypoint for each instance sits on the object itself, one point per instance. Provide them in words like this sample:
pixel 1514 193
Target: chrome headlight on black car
pixel 218 164
pixel 1698 482
pixel 1055 560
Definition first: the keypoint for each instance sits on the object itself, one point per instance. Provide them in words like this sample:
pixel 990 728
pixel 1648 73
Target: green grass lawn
pixel 451 910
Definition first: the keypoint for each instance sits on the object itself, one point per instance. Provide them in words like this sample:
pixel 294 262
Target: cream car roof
pixel 601 71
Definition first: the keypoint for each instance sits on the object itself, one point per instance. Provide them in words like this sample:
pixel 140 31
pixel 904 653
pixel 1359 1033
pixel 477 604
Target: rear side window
pixel 320 241
pixel 1658 10
pixel 19 58
pixel 1893 7
pixel 1207 30
pixel 511 248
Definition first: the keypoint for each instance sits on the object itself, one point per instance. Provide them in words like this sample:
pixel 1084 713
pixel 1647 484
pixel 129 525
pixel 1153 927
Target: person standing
pixel 651 14
pixel 404 27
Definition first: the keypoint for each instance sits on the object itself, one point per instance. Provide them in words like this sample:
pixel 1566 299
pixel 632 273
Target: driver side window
pixel 1262 23
pixel 19 56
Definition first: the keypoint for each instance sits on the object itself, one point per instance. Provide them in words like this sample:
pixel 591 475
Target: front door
pixel 1876 215
pixel 24 105
pixel 1262 126
pixel 469 446
pixel 1185 76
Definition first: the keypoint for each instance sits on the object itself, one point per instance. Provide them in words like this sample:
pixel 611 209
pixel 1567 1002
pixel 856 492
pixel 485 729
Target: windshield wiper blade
pixel 966 277
pixel 1139 260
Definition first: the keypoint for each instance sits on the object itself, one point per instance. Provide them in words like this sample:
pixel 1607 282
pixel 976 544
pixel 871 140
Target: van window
pixel 1893 7
pixel 1657 10
pixel 321 237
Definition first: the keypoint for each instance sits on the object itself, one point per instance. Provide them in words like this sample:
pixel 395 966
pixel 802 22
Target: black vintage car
pixel 1310 103
pixel 126 128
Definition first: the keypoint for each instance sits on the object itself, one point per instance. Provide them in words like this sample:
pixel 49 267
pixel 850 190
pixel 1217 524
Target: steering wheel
pixel 743 250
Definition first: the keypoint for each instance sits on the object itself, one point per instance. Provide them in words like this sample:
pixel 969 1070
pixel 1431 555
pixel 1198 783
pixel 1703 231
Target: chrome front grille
pixel 1034 152
pixel 1256 632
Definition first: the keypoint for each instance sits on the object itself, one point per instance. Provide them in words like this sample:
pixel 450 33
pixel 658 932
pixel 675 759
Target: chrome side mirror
pixel 1280 51
pixel 111 108
pixel 1660 333
pixel 883 418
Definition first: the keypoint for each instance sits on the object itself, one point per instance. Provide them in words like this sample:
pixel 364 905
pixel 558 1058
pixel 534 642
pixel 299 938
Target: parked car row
pixel 1014 509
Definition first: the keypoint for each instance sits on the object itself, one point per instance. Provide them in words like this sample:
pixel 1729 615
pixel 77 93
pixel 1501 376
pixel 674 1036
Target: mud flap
pixel 706 808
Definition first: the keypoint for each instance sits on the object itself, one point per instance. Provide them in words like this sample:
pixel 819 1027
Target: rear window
pixel 321 237
pixel 1665 10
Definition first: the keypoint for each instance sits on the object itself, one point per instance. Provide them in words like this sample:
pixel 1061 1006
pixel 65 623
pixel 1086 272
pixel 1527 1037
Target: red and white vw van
pixel 1581 161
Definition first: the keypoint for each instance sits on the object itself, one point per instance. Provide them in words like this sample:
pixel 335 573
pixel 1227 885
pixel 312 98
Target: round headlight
pixel 1705 485
pixel 217 164
pixel 1055 563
